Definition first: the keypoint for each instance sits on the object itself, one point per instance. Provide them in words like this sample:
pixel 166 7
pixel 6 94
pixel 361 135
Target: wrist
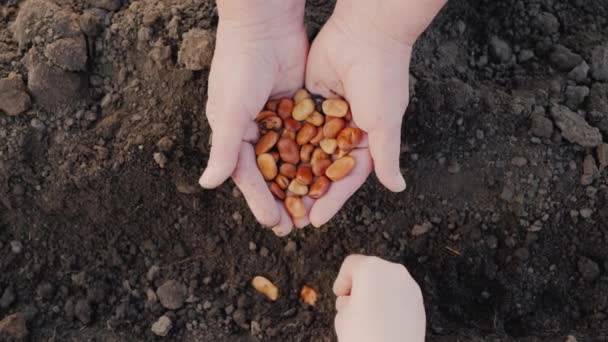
pixel 401 21
pixel 261 16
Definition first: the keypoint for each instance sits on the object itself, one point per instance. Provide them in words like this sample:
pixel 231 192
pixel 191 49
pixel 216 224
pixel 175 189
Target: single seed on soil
pixel 340 168
pixel 277 191
pixel 285 108
pixel 309 295
pixel 288 170
pixel 317 139
pixel 300 95
pixel 349 138
pixel 267 166
pixel 329 145
pixel 297 188
pixel 319 187
pixel 306 153
pixel 295 207
pixel 306 133
pixel 316 119
pixel 333 127
pixel 282 182
pixel 303 109
pixel 265 287
pixel 272 105
pixel 304 175
pixel 335 107
pixel 288 150
pixel 266 142
pixel 292 125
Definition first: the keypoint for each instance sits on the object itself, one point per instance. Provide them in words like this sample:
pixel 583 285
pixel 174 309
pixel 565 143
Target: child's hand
pixel 363 54
pixel 377 301
pixel 260 53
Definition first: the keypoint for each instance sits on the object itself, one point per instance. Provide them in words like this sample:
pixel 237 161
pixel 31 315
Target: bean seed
pixel 306 133
pixel 319 187
pixel 266 143
pixel 349 138
pixel 329 145
pixel 297 188
pixel 292 124
pixel 277 191
pixel 306 153
pixel 295 207
pixel 300 95
pixel 271 123
pixel 282 181
pixel 317 139
pixel 264 114
pixel 265 287
pixel 272 105
pixel 304 175
pixel 335 107
pixel 267 166
pixel 288 170
pixel 340 168
pixel 285 108
pixel 288 135
pixel 303 109
pixel 320 167
pixel 316 119
pixel 288 150
pixel 332 127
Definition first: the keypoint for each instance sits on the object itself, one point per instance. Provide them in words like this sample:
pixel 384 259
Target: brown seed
pixel 266 142
pixel 271 123
pixel 333 127
pixel 288 134
pixel 272 105
pixel 318 154
pixel 285 108
pixel 309 295
pixel 265 287
pixel 303 109
pixel 337 108
pixel 289 151
pixel 340 168
pixel 304 175
pixel 288 170
pixel 320 167
pixel 305 134
pixel 275 155
pixel 295 207
pixel 267 166
pixel 306 153
pixel 349 138
pixel 317 139
pixel 297 188
pixel 329 145
pixel 292 125
pixel 264 114
pixel 316 119
pixel 282 181
pixel 277 191
pixel 319 187
pixel 300 95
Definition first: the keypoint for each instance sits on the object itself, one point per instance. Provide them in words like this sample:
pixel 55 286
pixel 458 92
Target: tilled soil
pixel 103 228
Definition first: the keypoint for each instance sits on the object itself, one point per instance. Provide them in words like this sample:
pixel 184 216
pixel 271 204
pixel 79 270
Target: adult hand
pixel 363 54
pixel 260 53
pixel 377 301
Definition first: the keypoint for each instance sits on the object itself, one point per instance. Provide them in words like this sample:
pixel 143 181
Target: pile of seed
pixel 304 146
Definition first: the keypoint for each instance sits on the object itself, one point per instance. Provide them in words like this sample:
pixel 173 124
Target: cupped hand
pixel 377 301
pixel 260 53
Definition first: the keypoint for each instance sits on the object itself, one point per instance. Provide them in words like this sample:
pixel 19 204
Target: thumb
pixel 378 103
pixel 344 282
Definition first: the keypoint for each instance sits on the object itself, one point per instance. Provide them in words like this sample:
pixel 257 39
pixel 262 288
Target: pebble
pixel 547 23
pixel 264 252
pixel 37 124
pixel 172 294
pixel 454 167
pixel 500 49
pixel 83 311
pixel 256 329
pixel 196 51
pixel 519 161
pixel 575 96
pixel 599 63
pixel 252 246
pixel 165 144
pixel 160 159
pixel 579 73
pixel 162 326
pixel 563 58
pixel 207 305
pixel 586 213
pixel 152 272
pixel 16 246
pixel 421 229
pixel 588 268
pixel 14 100
pixel 574 128
pixel 541 126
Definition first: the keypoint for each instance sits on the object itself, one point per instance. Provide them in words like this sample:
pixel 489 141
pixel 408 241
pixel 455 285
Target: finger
pixel 305 221
pixel 342 302
pixel 254 188
pixel 321 76
pixel 339 192
pixel 285 225
pixel 385 148
pixel 344 282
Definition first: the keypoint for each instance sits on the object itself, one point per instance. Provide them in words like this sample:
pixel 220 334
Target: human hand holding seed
pixel 260 53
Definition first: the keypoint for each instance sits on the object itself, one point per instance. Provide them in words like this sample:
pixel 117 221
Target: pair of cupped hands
pixel 262 52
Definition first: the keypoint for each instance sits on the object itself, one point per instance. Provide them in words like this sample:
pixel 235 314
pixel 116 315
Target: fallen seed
pixel 295 207
pixel 306 153
pixel 288 150
pixel 285 108
pixel 277 191
pixel 292 124
pixel 309 295
pixel 288 170
pixel 333 127
pixel 304 175
pixel 282 181
pixel 300 95
pixel 266 142
pixel 272 105
pixel 306 133
pixel 265 287
pixel 267 166
pixel 319 187
pixel 329 145
pixel 317 139
pixel 340 168
pixel 303 109
pixel 335 107
pixel 316 119
pixel 297 188
pixel 349 138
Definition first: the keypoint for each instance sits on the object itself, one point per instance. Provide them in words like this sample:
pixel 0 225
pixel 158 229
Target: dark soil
pixel 91 226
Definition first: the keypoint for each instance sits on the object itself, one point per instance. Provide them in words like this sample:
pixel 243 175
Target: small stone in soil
pixel 172 294
pixel 519 161
pixel 541 126
pixel 162 326
pixel 16 246
pixel 83 311
pixel 588 268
